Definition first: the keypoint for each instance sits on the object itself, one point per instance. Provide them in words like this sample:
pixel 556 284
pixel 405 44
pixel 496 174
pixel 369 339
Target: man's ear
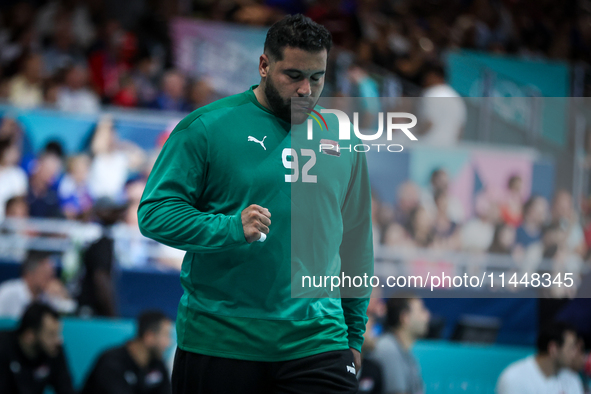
pixel 264 64
pixel 552 348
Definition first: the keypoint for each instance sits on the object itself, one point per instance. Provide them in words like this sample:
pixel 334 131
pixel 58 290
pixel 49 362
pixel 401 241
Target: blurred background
pixel 90 90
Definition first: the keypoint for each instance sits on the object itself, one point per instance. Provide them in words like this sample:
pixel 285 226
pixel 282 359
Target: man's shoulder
pixel 387 346
pixel 216 109
pixel 112 356
pixel 518 370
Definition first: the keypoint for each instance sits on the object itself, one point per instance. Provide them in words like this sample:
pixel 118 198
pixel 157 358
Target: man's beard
pixel 282 108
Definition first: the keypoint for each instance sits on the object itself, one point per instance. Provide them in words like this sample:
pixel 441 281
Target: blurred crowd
pixel 529 229
pixel 102 185
pixel 74 56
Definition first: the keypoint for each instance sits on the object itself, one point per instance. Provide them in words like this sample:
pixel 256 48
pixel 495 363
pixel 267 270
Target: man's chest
pixel 258 163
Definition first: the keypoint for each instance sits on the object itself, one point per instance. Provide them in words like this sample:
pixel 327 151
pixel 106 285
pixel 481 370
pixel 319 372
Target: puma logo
pixel 250 138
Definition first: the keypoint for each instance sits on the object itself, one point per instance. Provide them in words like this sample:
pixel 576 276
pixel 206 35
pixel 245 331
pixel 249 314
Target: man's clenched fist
pixel 255 220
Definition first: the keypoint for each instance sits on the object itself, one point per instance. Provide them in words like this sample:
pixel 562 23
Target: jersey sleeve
pixel 356 250
pixel 167 211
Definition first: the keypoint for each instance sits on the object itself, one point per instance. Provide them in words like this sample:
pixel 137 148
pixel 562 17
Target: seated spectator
pixel 566 218
pixel 549 370
pixel 75 96
pixel 143 77
pixel 25 88
pixel 37 282
pixel 421 228
pixel 440 183
pixel 201 93
pixel 43 196
pixel 17 208
pixel 447 234
pixel 113 161
pixel 477 234
pixel 407 200
pixel 407 320
pixel 535 213
pixel 73 192
pixel 12 178
pixel 62 50
pixel 32 358
pixel 137 367
pixel 172 97
pixel 127 95
pixel 503 239
pixel 13 234
pixel 511 209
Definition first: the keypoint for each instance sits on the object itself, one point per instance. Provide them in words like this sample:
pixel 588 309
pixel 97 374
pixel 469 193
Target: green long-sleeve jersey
pixel 237 300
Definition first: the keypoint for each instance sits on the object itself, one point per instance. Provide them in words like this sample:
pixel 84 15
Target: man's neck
pixel 138 353
pixel 405 339
pixel 259 93
pixel 546 365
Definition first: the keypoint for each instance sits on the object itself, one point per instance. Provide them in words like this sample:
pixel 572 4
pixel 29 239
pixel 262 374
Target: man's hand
pixel 255 220
pixel 356 358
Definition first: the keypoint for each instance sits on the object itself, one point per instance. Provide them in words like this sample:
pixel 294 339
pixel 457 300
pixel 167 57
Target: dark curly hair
pixel 297 31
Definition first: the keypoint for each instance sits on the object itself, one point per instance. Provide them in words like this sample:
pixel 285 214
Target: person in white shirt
pixel 37 283
pixel 549 370
pixel 442 110
pixel 13 179
pixel 75 96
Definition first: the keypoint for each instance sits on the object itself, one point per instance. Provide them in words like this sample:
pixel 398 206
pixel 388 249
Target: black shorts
pixel 325 373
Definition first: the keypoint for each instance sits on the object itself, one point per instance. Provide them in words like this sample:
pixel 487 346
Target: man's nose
pixel 304 90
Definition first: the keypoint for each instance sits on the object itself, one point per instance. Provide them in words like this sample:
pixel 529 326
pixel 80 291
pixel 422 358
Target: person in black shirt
pixel 137 367
pixel 31 358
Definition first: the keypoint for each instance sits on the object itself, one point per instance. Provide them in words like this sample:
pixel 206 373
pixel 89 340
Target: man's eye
pixel 315 79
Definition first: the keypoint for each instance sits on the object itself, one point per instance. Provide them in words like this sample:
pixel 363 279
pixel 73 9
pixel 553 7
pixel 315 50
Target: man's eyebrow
pixel 292 70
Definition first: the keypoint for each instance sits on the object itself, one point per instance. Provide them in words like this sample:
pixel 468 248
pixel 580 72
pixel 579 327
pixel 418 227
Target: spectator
pixel 37 283
pixel 477 234
pixel 407 320
pixel 12 178
pixel 13 235
pixel 137 367
pixel 97 290
pixel 43 197
pixel 144 77
pixel 17 208
pixel 535 213
pixel 439 182
pixel 407 200
pixel 503 239
pixel 548 370
pixel 74 96
pixel 74 195
pixel 172 97
pixel 447 231
pixel 511 209
pixel 202 93
pixel 421 228
pixel 566 218
pixel 113 161
pixel 32 358
pixel 25 88
pixel 442 110
pixel 127 95
pixel 62 51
